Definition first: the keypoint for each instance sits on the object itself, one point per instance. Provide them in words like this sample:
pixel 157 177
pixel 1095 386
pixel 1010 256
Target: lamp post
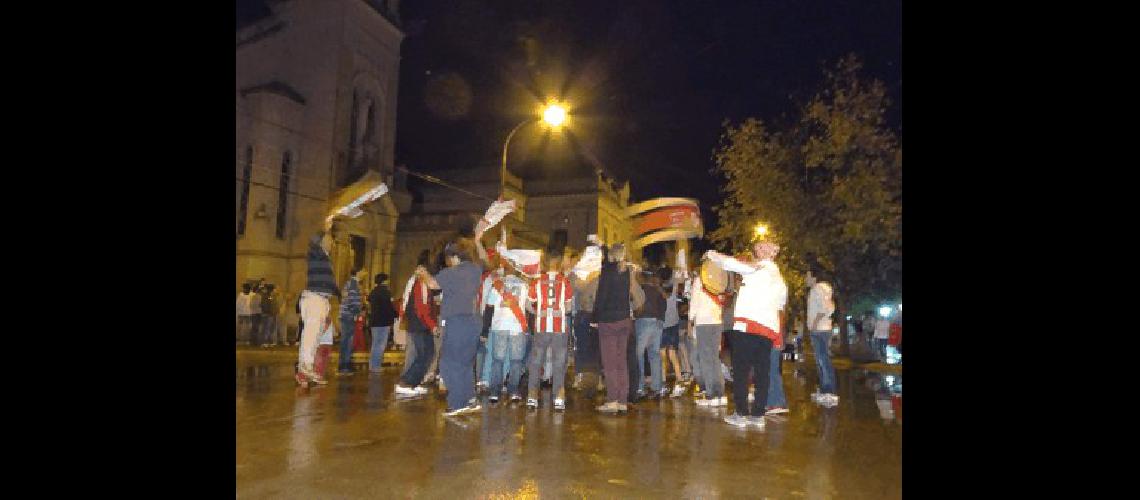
pixel 553 114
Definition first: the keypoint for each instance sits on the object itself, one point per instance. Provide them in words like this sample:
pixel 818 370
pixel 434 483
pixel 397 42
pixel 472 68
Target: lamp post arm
pixel 506 145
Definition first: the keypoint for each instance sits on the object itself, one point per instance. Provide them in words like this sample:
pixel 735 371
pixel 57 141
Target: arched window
pixel 283 195
pixel 243 203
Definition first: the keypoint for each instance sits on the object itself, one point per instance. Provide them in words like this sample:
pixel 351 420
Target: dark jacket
pixel 611 303
pixel 654 306
pixel 380 302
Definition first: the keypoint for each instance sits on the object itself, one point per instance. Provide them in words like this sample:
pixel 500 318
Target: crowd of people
pixel 258 311
pixel 495 328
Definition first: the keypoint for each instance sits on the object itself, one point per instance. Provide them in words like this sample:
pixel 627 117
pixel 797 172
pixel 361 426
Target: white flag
pixel 494 215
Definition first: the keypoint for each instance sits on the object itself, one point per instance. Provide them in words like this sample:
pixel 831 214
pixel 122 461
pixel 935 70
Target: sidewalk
pixel 391 357
pixel 846 363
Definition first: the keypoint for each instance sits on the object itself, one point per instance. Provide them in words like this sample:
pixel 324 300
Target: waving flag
pixel 347 202
pixel 495 214
pixel 590 263
pixel 526 261
pixel 665 219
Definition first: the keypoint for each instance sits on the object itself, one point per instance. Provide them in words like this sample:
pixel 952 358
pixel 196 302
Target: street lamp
pixel 553 114
pixel 761 230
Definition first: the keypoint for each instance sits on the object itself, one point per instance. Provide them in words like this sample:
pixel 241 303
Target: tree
pixel 829 186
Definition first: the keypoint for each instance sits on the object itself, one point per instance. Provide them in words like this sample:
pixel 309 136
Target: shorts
pixel 670 336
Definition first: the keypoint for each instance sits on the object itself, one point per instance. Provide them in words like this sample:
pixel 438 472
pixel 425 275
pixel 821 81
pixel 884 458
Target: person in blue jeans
pixel 820 307
pixel 459 284
pixel 350 308
pixel 777 401
pixel 380 320
pixel 648 328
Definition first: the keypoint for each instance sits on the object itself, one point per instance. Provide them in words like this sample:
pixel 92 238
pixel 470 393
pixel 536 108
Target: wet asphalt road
pixel 355 439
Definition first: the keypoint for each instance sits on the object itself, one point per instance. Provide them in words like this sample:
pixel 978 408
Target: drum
pixel 713 277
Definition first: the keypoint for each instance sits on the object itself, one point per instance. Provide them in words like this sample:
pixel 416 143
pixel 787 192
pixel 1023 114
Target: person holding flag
pixel 505 293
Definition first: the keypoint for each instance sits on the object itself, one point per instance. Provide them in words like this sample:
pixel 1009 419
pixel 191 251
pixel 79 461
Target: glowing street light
pixel 553 114
pixel 761 230
pixel 885 311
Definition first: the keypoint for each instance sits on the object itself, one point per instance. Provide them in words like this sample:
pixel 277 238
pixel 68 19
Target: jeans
pixel 425 350
pixel 694 359
pixel 507 355
pixel 707 367
pixel 314 311
pixel 649 338
pixel 558 343
pixel 255 329
pixel 268 329
pixel 347 328
pixel 750 356
pixel 776 398
pixel 819 343
pixel 243 328
pixel 379 343
pixel 614 337
pixel 457 358
pixel 880 346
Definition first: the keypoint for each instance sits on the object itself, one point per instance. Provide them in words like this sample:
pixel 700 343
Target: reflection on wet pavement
pixel 355 439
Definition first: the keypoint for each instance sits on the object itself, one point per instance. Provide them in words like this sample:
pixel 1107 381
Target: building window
pixel 283 194
pixel 243 204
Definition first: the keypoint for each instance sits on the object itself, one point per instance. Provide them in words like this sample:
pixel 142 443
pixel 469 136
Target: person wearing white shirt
pixel 507 337
pixel 705 311
pixel 820 307
pixel 882 333
pixel 755 328
pixel 245 320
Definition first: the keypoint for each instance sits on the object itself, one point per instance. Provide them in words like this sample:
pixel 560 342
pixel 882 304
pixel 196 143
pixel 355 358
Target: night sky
pixel 650 82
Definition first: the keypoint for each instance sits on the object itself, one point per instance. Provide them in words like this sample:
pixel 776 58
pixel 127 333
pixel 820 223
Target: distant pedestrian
pixel 882 334
pixel 380 320
pixel 820 307
pixel 255 315
pixel 244 319
pixel 350 306
pixel 270 311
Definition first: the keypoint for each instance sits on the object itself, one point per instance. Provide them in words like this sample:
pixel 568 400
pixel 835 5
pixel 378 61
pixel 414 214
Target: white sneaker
pixel 531 403
pixel 471 408
pixel 755 422
pixel 829 400
pixel 407 391
pixel 419 389
pixel 721 401
pixel 678 390
pixel 815 397
pixel 736 420
pixel 452 413
pixel 777 410
pixel 703 402
pixel 559 404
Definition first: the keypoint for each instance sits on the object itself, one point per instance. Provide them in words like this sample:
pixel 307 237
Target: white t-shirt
pixel 882 328
pixel 819 301
pixel 243 305
pixel 504 319
pixel 702 309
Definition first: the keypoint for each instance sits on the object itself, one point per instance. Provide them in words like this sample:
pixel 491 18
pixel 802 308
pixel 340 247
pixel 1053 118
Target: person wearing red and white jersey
pixel 756 327
pixel 550 298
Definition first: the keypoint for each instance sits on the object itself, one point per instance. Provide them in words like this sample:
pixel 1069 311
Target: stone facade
pixel 316 109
